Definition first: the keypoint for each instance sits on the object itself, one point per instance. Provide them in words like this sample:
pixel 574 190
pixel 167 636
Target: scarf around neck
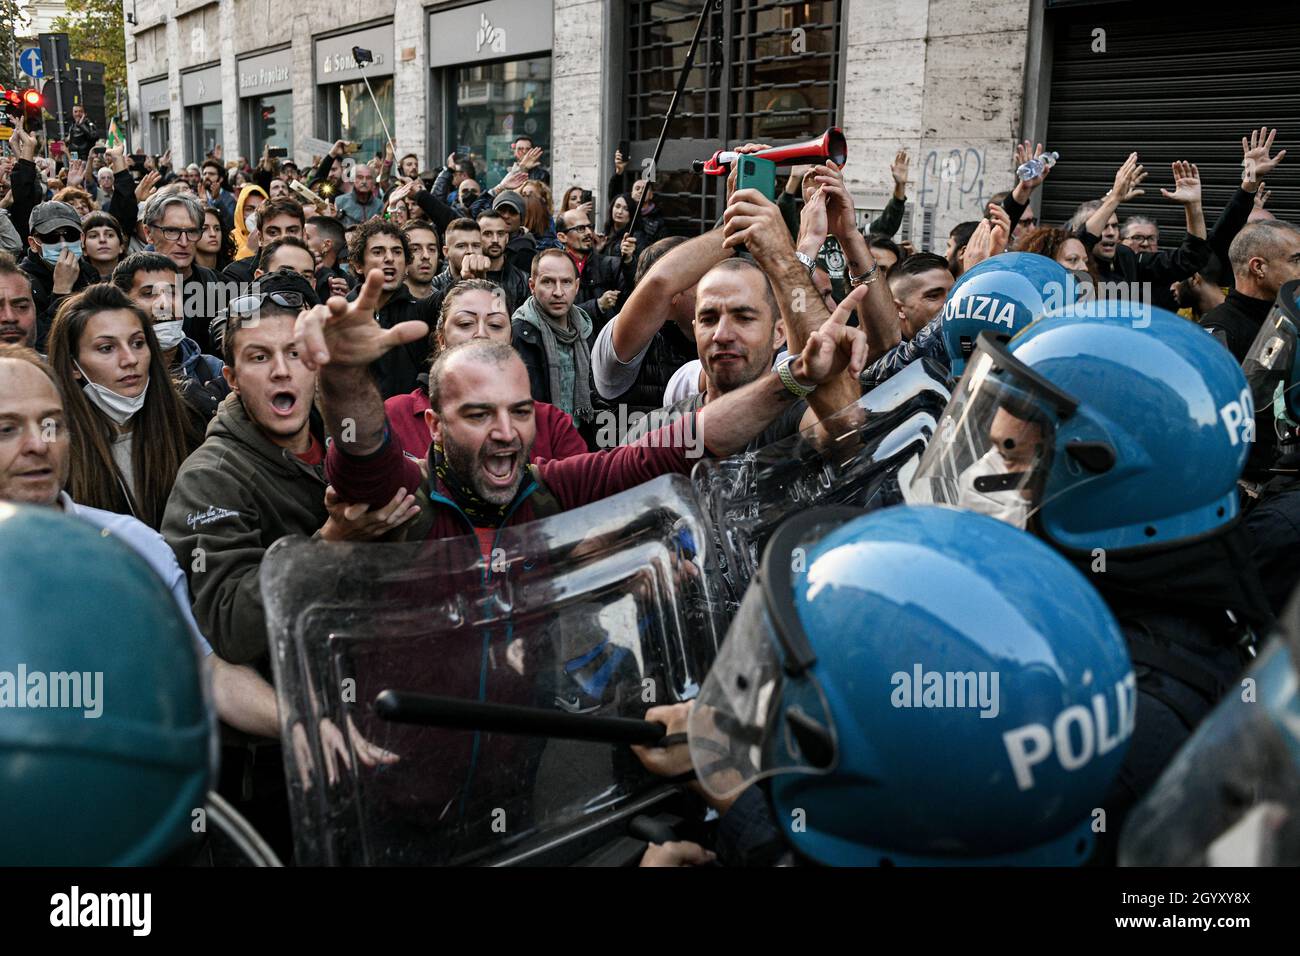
pixel 568 359
pixel 482 514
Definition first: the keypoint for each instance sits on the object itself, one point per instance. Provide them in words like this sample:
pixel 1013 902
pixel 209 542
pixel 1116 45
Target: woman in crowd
pixel 616 221
pixel 215 248
pixel 250 197
pixel 571 199
pixel 473 309
pixel 78 199
pixel 1060 245
pixel 105 242
pixel 130 431
pixel 538 219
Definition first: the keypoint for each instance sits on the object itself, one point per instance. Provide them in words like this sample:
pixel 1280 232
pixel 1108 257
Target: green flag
pixel 114 137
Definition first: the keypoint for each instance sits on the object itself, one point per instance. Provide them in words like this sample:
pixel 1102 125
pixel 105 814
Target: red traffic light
pixel 32 97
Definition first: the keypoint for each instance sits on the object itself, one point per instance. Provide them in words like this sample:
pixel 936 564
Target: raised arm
pixel 832 352
pixel 1127 179
pixel 650 304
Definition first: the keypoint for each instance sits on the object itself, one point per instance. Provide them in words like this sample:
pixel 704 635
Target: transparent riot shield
pixel 1231 797
pixel 605 610
pixel 853 459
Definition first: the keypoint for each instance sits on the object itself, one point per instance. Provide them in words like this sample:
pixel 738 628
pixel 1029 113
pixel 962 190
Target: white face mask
pixel 1007 506
pixel 250 221
pixel 169 334
pixel 119 408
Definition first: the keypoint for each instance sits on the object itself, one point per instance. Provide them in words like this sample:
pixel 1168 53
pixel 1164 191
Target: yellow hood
pixel 240 234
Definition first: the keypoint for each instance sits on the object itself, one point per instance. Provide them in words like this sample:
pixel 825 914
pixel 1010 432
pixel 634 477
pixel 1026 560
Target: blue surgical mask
pixel 50 251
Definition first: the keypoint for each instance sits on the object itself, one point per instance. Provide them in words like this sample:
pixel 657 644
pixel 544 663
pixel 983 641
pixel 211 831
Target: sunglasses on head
pixel 247 304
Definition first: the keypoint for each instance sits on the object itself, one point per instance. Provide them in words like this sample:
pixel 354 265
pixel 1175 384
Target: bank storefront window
pixel 358 121
pixel 492 104
pixel 205 129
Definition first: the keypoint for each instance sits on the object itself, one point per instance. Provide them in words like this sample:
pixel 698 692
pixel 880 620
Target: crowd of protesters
pixel 472 333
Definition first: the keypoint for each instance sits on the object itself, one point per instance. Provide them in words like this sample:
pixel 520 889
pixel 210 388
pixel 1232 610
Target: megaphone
pixel 829 145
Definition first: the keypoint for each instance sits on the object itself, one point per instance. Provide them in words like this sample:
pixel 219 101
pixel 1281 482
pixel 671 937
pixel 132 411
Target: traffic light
pixel 12 103
pixel 268 123
pixel 32 102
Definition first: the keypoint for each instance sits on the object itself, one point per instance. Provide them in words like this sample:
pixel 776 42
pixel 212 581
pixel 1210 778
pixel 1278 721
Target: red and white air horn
pixel 830 145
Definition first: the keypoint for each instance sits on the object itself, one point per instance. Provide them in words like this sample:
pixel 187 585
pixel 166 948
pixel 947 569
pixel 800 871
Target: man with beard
pixel 742 315
pixel 17 307
pixel 495 234
pixel 602 280
pixel 462 251
pixel 173 218
pixel 328 243
pixel 422 237
pixel 364 201
pixel 482 423
pixel 551 336
pixel 380 246
pixel 1097 225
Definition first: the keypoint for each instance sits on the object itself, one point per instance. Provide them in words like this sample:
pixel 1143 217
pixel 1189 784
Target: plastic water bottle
pixel 1036 166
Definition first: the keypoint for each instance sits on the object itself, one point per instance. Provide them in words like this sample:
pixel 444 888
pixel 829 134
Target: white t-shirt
pixel 149 544
pixel 684 383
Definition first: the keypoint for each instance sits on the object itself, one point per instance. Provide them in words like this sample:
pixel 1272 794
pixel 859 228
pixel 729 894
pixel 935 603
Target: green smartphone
pixel 757 173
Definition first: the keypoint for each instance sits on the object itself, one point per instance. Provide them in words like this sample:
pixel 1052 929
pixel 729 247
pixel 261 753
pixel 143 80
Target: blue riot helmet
pixel 1272 366
pixel 105 730
pixel 1232 794
pixel 908 700
pixel 1002 295
pixel 1111 425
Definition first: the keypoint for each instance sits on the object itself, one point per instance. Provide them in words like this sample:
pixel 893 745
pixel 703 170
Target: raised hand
pixel 735 167
pixel 76 173
pixel 1187 184
pixel 475 266
pixel 754 221
pixel 812 223
pixel 627 248
pixel 1127 179
pixel 513 180
pixel 834 347
pixel 1023 155
pixel 898 169
pixel 346 334
pixel 1261 197
pixel 1255 161
pixel 148 184
pixel 532 159
pixel 840 217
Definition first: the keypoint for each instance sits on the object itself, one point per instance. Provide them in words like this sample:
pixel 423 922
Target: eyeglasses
pixel 63 235
pixel 1143 240
pixel 173 234
pixel 585 227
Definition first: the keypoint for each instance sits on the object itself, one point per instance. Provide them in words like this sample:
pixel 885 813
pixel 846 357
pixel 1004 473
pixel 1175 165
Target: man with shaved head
pixel 1263 256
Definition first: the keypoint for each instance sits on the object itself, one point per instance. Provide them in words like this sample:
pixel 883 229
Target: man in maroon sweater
pixel 483 426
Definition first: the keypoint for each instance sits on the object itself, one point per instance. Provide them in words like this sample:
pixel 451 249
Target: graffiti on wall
pixel 952 182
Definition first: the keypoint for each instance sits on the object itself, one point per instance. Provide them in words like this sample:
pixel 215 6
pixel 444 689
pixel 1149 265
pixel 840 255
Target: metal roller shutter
pixel 1185 84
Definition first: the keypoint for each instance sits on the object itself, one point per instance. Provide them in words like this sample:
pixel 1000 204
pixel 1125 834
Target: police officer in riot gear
pixel 858 740
pixel 1117 432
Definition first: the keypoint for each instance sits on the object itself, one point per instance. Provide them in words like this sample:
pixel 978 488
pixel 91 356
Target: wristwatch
pixel 808 261
pixel 789 381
